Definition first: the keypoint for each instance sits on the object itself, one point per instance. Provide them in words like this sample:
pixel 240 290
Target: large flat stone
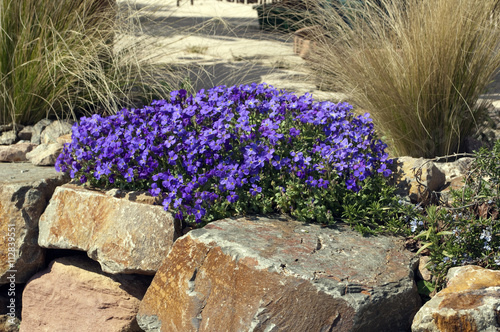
pixel 122 235
pixel 73 294
pixel 259 274
pixel 25 191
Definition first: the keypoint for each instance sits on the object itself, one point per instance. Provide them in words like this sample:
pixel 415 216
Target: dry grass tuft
pixel 417 66
pixel 58 59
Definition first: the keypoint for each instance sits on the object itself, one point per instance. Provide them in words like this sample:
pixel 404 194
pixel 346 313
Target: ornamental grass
pixel 58 59
pixel 418 67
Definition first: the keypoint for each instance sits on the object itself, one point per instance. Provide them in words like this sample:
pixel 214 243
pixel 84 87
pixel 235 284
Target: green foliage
pixel 425 287
pixel 419 73
pixel 376 209
pixel 468 232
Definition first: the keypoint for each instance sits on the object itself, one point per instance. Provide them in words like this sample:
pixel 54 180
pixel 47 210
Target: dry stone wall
pixel 261 274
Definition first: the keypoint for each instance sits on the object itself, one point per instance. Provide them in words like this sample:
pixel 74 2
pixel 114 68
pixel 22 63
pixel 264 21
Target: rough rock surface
pixel 430 177
pixel 45 154
pixel 422 272
pixel 26 133
pixel 53 131
pixel 8 137
pixel 74 295
pixel 469 303
pixel 64 139
pixel 15 152
pixel 24 193
pixel 122 235
pixel 260 274
pixel 455 174
pixel 37 130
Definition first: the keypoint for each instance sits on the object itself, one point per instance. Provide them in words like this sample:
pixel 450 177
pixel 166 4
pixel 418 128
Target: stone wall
pixel 266 273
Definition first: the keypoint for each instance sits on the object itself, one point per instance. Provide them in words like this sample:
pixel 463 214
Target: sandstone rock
pixel 456 168
pixel 74 295
pixel 122 235
pixel 431 177
pixel 26 133
pixel 8 137
pixel 37 130
pixel 470 302
pixel 55 130
pixel 16 152
pixel 24 193
pixel 422 272
pixel 64 139
pixel 45 154
pixel 259 274
pixel 455 173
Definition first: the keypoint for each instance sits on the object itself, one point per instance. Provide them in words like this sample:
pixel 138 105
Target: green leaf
pixel 425 246
pixel 425 287
pixel 445 233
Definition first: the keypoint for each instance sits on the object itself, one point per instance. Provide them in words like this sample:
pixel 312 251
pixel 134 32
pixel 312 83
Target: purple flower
pixel 172 157
pixel 232 197
pixel 129 175
pixel 226 139
pixel 154 190
pixel 294 132
pixel 255 190
pixel 199 212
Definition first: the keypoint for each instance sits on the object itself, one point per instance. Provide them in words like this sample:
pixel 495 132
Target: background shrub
pixel 417 66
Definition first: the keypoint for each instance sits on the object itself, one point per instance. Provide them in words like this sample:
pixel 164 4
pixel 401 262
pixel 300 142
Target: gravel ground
pixel 222 44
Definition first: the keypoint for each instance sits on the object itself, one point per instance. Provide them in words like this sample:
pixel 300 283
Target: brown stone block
pixel 73 294
pixel 259 274
pixel 25 191
pixel 469 303
pixel 122 235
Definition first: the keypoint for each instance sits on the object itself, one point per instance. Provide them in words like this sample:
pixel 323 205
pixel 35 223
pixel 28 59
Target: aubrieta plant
pixel 233 150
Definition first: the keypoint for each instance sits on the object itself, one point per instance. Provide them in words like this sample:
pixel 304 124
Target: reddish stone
pixel 15 152
pixel 469 303
pixel 73 294
pixel 260 274
pixel 122 235
pixel 25 191
pixel 64 139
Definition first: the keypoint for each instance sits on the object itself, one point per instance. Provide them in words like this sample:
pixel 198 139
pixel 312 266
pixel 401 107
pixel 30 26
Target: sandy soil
pixel 222 44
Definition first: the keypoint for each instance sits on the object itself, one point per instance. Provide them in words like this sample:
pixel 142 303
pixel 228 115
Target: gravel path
pixel 222 44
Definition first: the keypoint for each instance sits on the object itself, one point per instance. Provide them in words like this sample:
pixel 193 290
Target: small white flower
pixel 486 234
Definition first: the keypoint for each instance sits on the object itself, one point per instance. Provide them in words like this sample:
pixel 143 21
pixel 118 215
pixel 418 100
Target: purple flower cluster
pixel 224 144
